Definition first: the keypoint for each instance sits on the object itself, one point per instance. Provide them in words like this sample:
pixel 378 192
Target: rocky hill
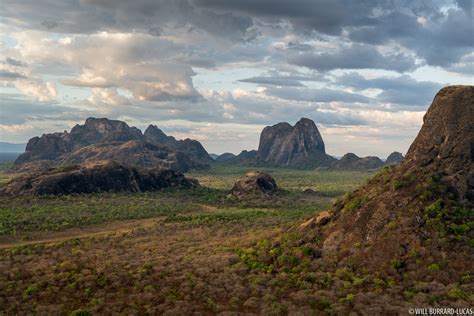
pixel 225 157
pixel 351 161
pixel 405 237
pixel 100 176
pixel 298 146
pixel 394 158
pixel 101 138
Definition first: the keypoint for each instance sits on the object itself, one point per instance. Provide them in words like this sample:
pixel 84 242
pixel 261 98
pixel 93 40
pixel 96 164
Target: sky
pixel 219 71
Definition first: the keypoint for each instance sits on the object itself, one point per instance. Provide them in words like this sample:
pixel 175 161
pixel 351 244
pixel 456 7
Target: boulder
pixel 255 183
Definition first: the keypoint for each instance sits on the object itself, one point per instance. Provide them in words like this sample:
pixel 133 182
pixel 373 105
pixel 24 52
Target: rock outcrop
pixel 351 161
pixel 254 184
pixel 394 158
pixel 101 138
pixel 101 176
pixel 298 146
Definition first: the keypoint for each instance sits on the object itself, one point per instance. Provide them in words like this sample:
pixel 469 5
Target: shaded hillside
pixel 299 146
pixel 101 176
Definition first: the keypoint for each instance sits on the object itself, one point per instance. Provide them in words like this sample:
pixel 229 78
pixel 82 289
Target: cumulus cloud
pixel 139 63
pixel 39 90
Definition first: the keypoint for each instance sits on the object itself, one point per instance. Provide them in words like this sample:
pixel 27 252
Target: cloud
pixel 139 63
pixel 16 109
pixel 439 37
pixel 354 57
pixel 39 90
pixel 402 89
pixel 14 62
pixel 317 95
pixel 10 75
pixel 273 81
pixel 145 16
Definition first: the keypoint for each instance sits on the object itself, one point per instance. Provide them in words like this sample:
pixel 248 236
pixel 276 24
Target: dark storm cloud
pixel 440 39
pixel 354 57
pixel 274 81
pixel 326 16
pixel 316 95
pixel 439 32
pixel 150 16
pixel 402 90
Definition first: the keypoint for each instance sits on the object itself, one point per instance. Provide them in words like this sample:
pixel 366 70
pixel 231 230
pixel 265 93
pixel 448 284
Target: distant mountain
pixel 11 147
pixel 351 161
pixel 101 138
pixel 213 156
pixel 298 146
pixel 224 157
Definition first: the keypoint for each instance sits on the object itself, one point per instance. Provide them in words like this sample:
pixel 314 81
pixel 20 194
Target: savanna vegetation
pixel 174 251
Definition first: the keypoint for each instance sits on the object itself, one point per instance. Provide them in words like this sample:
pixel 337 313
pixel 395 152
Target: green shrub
pixel 433 267
pixel 396 264
pixel 456 293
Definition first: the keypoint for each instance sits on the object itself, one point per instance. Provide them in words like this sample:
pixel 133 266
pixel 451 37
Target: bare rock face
pixel 132 153
pixel 254 184
pixel 351 161
pixel 102 176
pixel 101 138
pixel 300 145
pixel 394 158
pixel 445 143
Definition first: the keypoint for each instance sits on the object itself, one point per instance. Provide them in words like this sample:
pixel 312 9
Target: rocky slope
pixel 101 176
pixel 406 237
pixel 430 195
pixel 101 138
pixel 298 146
